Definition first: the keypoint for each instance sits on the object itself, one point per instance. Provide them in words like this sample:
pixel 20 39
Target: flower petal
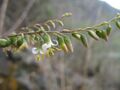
pixel 45 48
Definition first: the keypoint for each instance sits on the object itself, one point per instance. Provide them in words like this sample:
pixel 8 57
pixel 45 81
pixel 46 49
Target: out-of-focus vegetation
pixel 95 68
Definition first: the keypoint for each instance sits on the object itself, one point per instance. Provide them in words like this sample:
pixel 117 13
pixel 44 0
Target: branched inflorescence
pixel 44 39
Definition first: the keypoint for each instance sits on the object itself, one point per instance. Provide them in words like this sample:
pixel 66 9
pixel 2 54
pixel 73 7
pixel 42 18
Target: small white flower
pixel 45 47
pixel 34 50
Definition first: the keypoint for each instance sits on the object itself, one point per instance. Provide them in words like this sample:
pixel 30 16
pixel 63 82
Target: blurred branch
pixel 3 14
pixel 22 17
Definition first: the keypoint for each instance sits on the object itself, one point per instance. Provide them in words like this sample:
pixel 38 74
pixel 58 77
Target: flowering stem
pixel 70 30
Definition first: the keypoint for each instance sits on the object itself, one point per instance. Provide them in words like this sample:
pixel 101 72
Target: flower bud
pixel 60 22
pixel 117 24
pixel 84 40
pixel 98 32
pixel 51 52
pixel 37 57
pixel 52 23
pixel 93 35
pixel 62 43
pixel 68 43
pixel 108 30
pixel 67 14
pixel 48 27
pixel 104 35
pixel 76 35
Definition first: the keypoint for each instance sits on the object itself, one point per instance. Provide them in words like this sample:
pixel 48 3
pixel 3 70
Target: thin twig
pixel 21 18
pixel 3 14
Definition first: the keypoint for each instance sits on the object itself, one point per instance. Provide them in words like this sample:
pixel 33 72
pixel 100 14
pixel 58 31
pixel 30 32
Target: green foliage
pixel 42 36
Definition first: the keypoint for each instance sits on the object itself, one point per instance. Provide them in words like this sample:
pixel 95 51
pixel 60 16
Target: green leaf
pixel 93 35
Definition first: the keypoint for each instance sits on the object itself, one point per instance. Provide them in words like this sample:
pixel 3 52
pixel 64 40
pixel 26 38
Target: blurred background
pixel 94 68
